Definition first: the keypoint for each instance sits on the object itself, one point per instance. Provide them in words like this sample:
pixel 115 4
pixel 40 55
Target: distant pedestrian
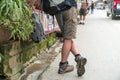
pixel 92 7
pixel 83 12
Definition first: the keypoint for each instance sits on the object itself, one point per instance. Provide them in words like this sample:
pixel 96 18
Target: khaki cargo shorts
pixel 70 23
pixel 83 12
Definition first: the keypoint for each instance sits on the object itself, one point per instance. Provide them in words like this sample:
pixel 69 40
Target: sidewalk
pixel 100 43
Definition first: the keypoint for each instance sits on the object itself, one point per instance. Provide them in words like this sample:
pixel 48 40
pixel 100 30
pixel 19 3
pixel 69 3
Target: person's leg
pixel 84 19
pixel 64 66
pixel 81 61
pixel 65 50
pixel 81 19
pixel 81 16
pixel 84 16
pixel 91 11
pixel 74 48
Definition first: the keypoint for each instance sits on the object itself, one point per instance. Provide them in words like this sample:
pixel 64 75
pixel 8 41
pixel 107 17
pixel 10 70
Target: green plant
pixel 15 15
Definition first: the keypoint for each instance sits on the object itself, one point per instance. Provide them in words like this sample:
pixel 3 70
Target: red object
pixel 115 3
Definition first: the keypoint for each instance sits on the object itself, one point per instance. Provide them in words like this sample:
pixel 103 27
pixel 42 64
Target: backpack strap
pixel 61 20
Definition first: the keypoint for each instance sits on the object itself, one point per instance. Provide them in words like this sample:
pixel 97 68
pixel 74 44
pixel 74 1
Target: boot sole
pixel 80 67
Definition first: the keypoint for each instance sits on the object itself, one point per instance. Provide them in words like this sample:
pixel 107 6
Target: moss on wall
pixel 17 55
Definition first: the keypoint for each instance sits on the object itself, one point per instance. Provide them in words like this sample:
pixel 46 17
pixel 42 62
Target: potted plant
pixel 15 19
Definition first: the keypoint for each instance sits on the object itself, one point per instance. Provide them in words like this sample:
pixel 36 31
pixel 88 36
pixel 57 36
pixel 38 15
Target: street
pixel 99 41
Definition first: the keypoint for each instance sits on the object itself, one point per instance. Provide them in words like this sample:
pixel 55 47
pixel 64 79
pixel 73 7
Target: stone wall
pixel 17 55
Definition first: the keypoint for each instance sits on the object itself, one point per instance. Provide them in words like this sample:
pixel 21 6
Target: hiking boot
pixel 80 23
pixel 81 61
pixel 65 67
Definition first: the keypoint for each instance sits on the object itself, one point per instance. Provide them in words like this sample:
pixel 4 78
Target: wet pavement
pixel 41 63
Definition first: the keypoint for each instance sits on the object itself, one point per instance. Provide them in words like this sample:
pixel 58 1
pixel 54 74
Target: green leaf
pixel 16 16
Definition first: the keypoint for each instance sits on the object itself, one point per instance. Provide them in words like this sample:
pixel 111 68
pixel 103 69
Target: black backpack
pixel 52 8
pixel 38 33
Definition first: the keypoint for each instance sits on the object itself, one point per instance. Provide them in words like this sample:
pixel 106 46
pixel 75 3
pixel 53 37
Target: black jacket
pixel 73 3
